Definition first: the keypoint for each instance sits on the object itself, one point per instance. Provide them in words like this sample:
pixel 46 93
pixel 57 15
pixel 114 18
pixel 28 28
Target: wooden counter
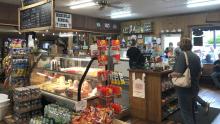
pixel 150 107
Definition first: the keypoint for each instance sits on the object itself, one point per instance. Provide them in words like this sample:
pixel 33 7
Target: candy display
pixel 27 103
pixel 103 54
pixel 109 90
pixel 115 50
pixel 61 115
pixel 94 115
pixel 106 94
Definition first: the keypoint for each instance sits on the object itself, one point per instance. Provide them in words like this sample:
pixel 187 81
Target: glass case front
pixel 61 75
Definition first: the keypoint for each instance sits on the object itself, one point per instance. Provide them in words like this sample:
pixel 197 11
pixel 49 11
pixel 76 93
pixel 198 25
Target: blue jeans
pixel 187 106
pixel 215 76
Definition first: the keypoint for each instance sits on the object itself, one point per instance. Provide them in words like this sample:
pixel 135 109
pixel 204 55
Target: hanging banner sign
pixel 63 20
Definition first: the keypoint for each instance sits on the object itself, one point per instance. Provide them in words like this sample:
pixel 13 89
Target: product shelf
pixel 169 101
pixel 64 73
pixel 165 116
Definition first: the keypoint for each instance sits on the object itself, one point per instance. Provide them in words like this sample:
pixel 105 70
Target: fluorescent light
pixel 121 14
pixel 199 3
pixel 82 4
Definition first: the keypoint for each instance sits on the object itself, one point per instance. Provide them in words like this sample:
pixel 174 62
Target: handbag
pixel 185 79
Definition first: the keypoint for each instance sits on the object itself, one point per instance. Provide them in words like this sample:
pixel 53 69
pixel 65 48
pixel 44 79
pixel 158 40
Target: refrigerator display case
pixel 60 76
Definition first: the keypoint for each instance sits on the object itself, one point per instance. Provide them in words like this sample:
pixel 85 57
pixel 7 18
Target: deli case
pixel 59 76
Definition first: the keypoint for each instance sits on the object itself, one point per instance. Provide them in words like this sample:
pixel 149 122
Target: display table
pixel 147 102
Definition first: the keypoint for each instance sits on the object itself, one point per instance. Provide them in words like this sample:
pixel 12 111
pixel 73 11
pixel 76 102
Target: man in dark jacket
pixel 136 58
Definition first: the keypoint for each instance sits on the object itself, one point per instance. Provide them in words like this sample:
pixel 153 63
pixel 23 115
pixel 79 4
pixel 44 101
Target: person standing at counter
pixel 216 72
pixel 169 50
pixel 136 58
pixel 156 51
pixel 177 50
pixel 187 96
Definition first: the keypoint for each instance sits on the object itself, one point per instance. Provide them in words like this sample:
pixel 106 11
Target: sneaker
pixel 207 108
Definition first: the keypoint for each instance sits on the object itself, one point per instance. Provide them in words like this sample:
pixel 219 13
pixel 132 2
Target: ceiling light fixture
pixel 82 4
pixel 121 14
pixel 200 3
pixel 65 34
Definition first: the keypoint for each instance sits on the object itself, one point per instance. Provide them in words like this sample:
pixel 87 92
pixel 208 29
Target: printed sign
pixel 138 86
pixel 63 20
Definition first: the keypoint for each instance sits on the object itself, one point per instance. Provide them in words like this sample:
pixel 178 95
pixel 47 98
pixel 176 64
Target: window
pixel 211 45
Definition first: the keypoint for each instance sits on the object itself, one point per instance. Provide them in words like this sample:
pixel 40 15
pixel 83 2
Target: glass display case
pixel 60 75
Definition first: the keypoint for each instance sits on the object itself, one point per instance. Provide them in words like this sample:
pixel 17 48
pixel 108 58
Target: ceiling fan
pixel 106 3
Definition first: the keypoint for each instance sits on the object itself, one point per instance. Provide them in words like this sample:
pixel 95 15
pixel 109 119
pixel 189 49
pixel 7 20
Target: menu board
pixel 63 20
pixel 36 17
pixel 29 2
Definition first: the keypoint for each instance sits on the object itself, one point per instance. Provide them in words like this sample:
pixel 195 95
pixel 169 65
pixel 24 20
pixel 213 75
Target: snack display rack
pixel 19 65
pixel 16 64
pixel 27 103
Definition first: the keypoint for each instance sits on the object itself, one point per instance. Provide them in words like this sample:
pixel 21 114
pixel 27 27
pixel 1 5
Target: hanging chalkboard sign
pixel 36 17
pixel 29 2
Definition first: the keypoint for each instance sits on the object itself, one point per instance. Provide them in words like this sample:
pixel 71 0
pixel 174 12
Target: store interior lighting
pixel 200 3
pixel 121 14
pixel 65 34
pixel 82 4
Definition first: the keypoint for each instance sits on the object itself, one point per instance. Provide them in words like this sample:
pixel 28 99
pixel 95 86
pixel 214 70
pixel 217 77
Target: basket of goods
pixel 96 115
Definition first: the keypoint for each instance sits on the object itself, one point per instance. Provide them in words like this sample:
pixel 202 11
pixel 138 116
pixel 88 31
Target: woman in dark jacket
pixel 187 96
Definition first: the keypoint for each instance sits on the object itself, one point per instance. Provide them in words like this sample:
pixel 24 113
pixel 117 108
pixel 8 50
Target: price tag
pixel 81 105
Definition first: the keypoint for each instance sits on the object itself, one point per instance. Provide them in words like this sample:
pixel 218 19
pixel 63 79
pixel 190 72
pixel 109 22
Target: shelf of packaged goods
pixel 64 73
pixel 27 99
pixel 136 33
pixel 21 111
pixel 170 100
pixel 165 116
pixel 168 89
pixel 20 66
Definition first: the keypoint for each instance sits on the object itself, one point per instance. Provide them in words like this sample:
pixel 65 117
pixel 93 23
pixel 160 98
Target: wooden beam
pixel 35 4
pixel 36 29
pixel 5 24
